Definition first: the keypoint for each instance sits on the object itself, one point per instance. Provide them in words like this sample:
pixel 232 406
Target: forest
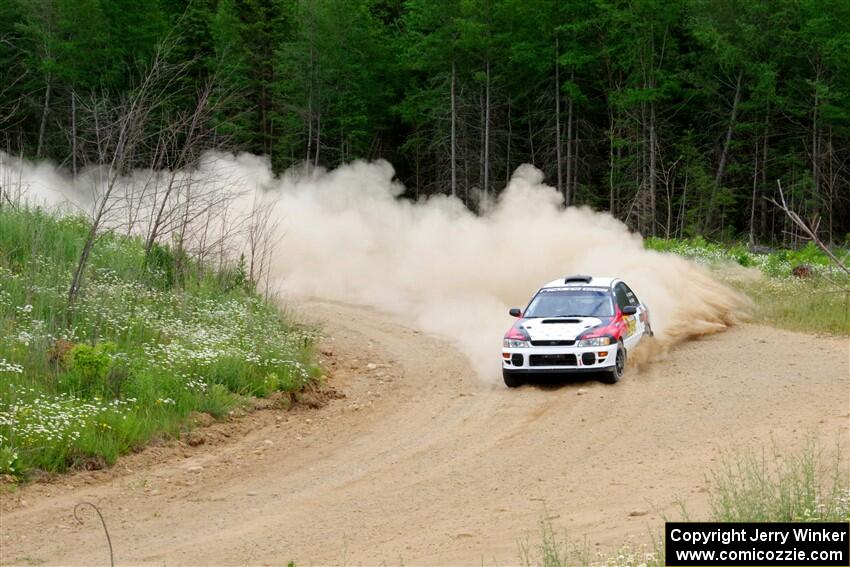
pixel 680 117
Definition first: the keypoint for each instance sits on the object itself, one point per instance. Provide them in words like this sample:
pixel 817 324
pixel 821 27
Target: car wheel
pixel 619 367
pixel 511 379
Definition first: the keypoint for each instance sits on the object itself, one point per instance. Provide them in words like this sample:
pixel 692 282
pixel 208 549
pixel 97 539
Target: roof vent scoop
pixel 577 278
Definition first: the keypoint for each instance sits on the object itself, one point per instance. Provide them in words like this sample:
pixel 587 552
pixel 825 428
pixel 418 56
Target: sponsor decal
pixel 573 288
pixel 631 325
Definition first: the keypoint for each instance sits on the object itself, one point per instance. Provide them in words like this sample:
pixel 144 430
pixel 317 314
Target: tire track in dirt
pixel 421 464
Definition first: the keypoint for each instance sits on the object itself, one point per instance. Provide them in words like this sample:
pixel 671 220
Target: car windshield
pixel 570 303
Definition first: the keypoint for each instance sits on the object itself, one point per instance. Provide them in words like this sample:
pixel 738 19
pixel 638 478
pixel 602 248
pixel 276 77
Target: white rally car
pixel 575 324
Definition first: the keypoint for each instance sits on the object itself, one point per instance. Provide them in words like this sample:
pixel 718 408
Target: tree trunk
pixel 264 113
pixel 574 187
pixel 481 142
pixel 670 190
pixel 44 112
pixel 724 153
pixel 816 144
pixel 309 155
pixel 487 135
pixel 611 161
pixel 454 134
pixel 830 184
pixel 77 279
pixel 318 137
pixel 567 185
pixel 682 209
pixel 508 145
pixel 764 172
pixel 153 234
pixel 755 187
pixel 561 188
pixel 417 172
pixel 653 159
pixel 341 140
pixel 74 133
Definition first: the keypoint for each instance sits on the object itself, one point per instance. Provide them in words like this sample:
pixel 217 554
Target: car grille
pixel 552 343
pixel 552 360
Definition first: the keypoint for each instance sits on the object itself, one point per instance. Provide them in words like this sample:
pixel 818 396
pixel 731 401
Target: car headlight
pixel 594 342
pixel 513 343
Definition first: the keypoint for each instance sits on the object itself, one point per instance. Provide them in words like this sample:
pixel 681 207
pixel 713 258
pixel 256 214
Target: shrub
pixel 10 463
pixel 141 350
pixel 90 366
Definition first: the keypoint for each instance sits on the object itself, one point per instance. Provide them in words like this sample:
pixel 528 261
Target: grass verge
pixel 809 486
pixel 147 344
pixel 818 302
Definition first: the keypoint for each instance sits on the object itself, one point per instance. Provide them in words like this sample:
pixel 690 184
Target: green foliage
pixel 678 117
pixel 776 263
pixel 741 255
pixel 10 462
pixel 89 368
pixel 808 254
pixel 817 303
pixel 161 264
pixel 136 356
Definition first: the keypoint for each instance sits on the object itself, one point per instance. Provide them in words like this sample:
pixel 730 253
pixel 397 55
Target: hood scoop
pixel 560 321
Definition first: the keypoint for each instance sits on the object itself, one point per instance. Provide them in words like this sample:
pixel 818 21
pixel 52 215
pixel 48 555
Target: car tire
pixel 511 379
pixel 613 376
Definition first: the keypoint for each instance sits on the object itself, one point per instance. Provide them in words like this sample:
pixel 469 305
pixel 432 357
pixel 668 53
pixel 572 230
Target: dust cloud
pixel 345 235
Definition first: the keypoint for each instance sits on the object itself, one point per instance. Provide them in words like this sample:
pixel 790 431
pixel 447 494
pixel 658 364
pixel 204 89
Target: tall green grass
pixel 143 347
pixel 812 305
pixel 807 486
pixel 818 303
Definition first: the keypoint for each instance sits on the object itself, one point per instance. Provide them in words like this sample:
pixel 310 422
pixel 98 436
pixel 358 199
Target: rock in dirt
pixel 802 271
pixel 311 399
pixel 195 438
pixel 201 419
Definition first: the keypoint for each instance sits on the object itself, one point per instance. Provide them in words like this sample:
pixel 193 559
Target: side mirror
pixel 515 312
pixel 629 310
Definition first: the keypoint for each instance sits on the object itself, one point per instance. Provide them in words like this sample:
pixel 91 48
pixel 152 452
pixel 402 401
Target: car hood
pixel 558 328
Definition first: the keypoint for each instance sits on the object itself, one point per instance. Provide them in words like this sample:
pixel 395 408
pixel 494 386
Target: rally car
pixel 575 324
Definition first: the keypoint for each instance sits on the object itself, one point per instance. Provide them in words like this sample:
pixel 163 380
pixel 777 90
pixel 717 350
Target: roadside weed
pixel 135 356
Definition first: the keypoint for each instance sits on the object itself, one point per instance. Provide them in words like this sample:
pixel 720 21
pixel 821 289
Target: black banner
pixel 739 544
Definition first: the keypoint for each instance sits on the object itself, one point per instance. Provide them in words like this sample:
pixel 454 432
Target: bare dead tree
pixel 12 187
pixel 201 221
pixel 7 112
pixel 261 237
pixel 667 176
pixel 808 229
pixel 184 139
pixel 119 131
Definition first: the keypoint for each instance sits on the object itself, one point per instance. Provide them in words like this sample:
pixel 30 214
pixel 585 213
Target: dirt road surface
pixel 421 463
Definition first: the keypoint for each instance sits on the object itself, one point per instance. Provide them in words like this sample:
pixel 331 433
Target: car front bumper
pixel 558 359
